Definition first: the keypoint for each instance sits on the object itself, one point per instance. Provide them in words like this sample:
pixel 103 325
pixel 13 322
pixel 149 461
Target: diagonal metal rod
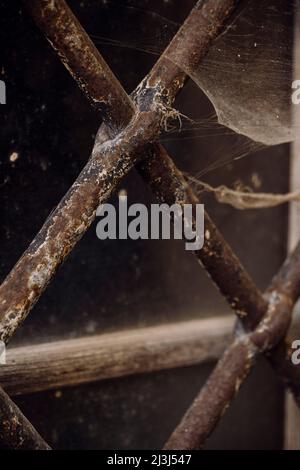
pixel 158 168
pixel 239 358
pixel 15 429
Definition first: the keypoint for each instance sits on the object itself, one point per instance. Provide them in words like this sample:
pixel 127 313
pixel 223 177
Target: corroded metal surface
pixel 110 161
pixel 15 429
pixel 78 53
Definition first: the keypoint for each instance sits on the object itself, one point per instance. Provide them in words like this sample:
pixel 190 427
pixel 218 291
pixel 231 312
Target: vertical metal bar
pixel 292 412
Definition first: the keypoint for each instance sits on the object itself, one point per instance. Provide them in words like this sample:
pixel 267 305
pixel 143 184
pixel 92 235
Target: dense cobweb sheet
pixel 247 73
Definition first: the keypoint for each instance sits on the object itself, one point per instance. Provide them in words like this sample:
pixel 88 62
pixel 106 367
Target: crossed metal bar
pixel 127 137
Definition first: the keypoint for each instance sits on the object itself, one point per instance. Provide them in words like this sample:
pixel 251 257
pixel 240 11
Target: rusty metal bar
pixel 239 358
pixel 15 429
pixel 83 61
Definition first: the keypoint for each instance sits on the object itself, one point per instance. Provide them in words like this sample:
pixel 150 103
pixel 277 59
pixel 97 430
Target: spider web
pixel 247 74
